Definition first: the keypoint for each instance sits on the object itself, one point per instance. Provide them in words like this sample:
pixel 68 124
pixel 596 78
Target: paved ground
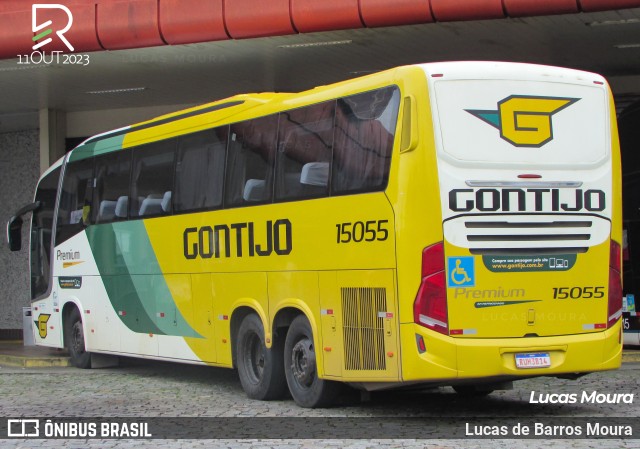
pixel 149 389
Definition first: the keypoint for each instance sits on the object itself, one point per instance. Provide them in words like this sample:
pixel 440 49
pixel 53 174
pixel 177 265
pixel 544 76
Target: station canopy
pixel 146 53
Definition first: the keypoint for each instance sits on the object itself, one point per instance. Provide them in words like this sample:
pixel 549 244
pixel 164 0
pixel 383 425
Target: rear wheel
pixel 260 369
pixel 307 389
pixel 74 341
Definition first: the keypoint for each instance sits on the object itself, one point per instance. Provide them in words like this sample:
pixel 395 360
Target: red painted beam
pixel 15 34
pixel 377 13
pixel 120 24
pixel 82 34
pixel 257 18
pixel 522 8
pixel 188 21
pixel 325 15
pixel 452 10
pixel 128 24
pixel 606 5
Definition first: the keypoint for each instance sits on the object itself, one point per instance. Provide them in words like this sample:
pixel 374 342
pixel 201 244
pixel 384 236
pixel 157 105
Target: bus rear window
pixel 516 123
pixel 364 132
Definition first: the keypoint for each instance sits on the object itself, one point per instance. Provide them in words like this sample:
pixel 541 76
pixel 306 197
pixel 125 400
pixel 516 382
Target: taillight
pixel 430 306
pixel 614 309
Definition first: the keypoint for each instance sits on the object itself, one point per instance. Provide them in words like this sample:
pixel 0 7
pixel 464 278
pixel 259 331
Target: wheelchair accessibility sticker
pixel 461 272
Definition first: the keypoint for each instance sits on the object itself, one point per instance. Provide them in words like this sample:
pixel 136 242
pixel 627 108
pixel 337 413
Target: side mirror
pixel 14 226
pixel 14 233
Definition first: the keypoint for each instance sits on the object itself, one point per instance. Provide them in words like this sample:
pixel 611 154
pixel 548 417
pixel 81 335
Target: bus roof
pixel 235 108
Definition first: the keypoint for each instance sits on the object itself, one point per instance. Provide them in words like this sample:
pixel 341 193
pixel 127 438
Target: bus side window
pixel 112 186
pixel 364 133
pixel 152 179
pixel 304 152
pixel 75 199
pixel 249 174
pixel 200 170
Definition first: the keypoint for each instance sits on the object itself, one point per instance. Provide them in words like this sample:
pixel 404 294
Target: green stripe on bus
pixel 97 148
pixel 134 282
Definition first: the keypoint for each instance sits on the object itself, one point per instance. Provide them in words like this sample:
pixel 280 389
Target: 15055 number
pixel 362 231
pixel 578 292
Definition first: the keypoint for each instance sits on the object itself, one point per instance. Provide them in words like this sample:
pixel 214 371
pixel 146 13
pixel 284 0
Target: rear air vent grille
pixel 525 224
pixel 522 233
pixel 525 237
pixel 363 328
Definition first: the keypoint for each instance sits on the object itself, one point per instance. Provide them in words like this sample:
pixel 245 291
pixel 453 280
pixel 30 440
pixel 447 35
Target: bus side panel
pixel 102 324
pixel 359 320
pixel 297 290
pixel 332 336
pixel 75 281
pixel 230 292
pixel 204 320
pixel 169 311
pixel 414 194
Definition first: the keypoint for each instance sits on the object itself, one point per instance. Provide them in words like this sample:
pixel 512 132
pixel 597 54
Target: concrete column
pixel 53 127
pixel 19 165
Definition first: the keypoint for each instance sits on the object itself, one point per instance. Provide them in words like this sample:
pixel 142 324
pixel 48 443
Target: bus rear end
pixel 526 281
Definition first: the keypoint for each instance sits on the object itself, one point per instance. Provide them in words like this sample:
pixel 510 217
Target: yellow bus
pixel 447 224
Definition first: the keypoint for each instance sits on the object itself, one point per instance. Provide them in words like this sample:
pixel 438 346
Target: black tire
pixel 74 341
pixel 307 389
pixel 471 391
pixel 261 370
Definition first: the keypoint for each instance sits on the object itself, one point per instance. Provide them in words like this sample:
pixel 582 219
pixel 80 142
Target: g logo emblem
pixel 41 322
pixel 524 121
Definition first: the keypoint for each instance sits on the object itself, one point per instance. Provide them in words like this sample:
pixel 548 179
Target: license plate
pixel 533 360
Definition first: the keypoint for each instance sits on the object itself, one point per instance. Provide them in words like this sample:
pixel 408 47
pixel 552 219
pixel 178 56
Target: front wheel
pixel 260 369
pixel 307 389
pixel 74 341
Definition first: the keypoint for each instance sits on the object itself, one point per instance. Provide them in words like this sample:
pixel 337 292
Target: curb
pixel 34 362
pixel 631 357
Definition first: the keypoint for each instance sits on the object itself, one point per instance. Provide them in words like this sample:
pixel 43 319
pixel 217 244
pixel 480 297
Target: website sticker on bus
pixel 516 264
pixel 461 272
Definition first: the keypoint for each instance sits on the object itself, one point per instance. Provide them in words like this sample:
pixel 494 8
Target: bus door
pixel 47 322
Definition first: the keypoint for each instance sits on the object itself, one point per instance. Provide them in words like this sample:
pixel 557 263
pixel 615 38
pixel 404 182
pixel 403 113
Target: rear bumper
pixel 448 358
